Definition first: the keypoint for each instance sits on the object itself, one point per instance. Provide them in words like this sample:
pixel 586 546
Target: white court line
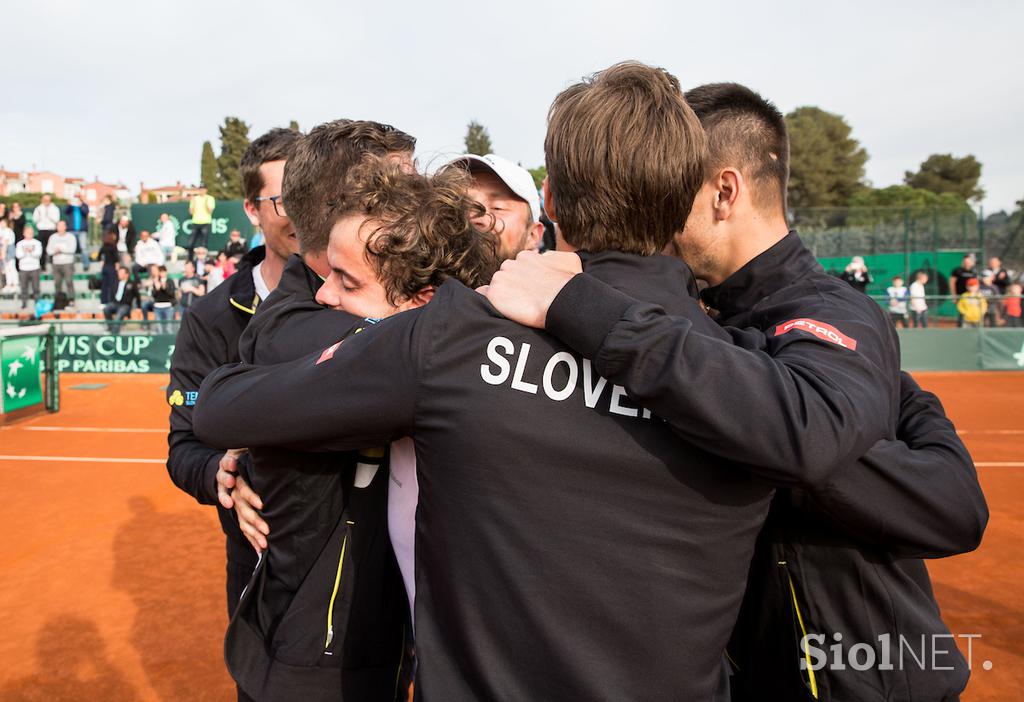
pixel 1000 464
pixel 82 459
pixel 112 430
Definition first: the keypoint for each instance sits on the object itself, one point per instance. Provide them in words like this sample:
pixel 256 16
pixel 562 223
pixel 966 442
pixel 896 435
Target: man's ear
pixel 728 185
pixel 419 298
pixel 549 200
pixel 251 212
pixel 535 236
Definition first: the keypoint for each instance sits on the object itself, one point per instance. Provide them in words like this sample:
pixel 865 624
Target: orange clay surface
pixel 113 580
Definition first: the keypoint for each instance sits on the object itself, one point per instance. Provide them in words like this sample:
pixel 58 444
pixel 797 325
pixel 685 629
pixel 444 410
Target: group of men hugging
pixel 453 468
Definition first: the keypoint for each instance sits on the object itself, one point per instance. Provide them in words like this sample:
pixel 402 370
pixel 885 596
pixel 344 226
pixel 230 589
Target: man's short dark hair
pixel 275 145
pixel 315 174
pixel 746 131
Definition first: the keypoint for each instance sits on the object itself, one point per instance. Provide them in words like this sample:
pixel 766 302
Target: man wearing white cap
pixel 508 193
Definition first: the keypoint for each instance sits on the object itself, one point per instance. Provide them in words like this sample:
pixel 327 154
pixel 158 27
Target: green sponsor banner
pixel 123 353
pixel 20 370
pixel 962 349
pixel 1002 349
pixel 227 215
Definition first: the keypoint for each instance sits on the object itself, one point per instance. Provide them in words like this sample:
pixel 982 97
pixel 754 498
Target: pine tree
pixel 478 141
pixel 234 139
pixel 208 169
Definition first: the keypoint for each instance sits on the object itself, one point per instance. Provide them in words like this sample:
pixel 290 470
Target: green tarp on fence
pixel 227 215
pixel 962 349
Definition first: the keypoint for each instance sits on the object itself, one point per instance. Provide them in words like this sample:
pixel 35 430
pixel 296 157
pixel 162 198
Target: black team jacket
pixel 324 615
pixel 568 545
pixel 208 338
pixel 841 550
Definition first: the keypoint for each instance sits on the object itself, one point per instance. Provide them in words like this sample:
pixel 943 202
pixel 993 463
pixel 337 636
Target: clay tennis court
pixel 113 583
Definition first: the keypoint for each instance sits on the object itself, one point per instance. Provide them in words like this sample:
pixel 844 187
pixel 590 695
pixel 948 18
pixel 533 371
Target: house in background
pixel 167 193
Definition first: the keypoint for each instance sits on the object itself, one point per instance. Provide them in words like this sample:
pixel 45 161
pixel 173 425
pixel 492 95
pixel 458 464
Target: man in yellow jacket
pixel 201 208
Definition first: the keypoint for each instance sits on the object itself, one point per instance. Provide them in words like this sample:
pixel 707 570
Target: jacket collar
pixel 659 279
pixel 762 276
pixel 298 279
pixel 242 288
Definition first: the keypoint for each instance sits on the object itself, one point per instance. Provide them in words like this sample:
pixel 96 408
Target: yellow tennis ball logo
pixel 176 398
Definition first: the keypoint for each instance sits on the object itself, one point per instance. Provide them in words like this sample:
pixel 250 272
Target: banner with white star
pixel 20 372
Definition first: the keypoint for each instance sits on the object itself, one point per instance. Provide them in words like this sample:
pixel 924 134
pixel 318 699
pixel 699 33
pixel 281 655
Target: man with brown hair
pixel 568 545
pixel 208 338
pixel 311 502
pixel 841 550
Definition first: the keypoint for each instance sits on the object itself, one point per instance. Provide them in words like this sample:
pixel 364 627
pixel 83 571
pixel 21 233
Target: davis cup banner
pixel 124 353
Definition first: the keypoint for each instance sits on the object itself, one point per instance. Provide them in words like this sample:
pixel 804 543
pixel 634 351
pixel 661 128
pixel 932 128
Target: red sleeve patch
pixel 825 332
pixel 328 353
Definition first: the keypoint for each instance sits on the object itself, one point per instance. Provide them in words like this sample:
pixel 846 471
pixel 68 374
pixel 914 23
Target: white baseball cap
pixel 517 178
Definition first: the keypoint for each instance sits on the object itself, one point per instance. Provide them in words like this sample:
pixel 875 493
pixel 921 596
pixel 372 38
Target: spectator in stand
pixel 236 247
pixel 109 212
pixel 76 213
pixel 201 262
pixel 110 257
pixel 146 290
pixel 919 301
pixel 162 296
pixel 958 281
pixel 45 216
pixel 191 286
pixel 17 220
pixel 148 252
pixel 857 275
pixel 126 296
pixel 972 305
pixel 898 297
pixel 201 208
pixel 1011 305
pixel 220 272
pixel 1000 276
pixel 168 238
pixel 29 253
pixel 125 236
pixel 61 250
pixel 8 269
pixel 991 293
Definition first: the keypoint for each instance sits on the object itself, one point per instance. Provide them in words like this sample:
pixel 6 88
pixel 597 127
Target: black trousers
pixel 241 564
pixel 199 237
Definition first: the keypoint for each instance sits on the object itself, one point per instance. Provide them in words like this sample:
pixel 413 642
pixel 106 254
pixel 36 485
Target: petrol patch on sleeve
pixel 825 332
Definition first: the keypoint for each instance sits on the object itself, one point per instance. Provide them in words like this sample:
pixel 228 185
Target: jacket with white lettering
pixel 568 545
pixel 327 596
pixel 208 338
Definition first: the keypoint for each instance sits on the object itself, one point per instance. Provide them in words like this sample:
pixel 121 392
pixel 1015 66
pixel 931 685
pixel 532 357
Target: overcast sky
pixel 130 90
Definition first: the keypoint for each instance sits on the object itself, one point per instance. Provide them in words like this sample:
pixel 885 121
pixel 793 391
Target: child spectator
pixel 991 292
pixel 972 305
pixel 919 301
pixel 191 287
pixel 1011 306
pixel 898 296
pixel 168 238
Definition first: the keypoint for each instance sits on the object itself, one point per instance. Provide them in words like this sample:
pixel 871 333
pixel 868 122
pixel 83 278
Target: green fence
pixel 962 349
